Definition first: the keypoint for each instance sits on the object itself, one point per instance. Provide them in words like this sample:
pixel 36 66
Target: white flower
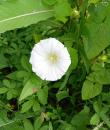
pixel 50 59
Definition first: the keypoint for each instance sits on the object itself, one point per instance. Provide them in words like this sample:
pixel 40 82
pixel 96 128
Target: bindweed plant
pixel 54 64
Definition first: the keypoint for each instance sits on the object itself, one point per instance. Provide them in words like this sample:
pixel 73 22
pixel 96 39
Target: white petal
pixel 53 74
pixel 41 64
pixel 64 54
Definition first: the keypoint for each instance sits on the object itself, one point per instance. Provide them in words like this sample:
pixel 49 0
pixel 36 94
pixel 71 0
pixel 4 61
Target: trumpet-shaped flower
pixel 50 59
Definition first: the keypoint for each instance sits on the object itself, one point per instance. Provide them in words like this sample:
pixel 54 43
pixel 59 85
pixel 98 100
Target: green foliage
pixel 18 13
pixel 26 106
pixel 36 106
pixel 3 62
pixel 90 89
pixel 43 95
pixel 38 122
pixel 50 126
pixel 74 57
pixel 95 119
pixel 62 10
pixel 98 30
pixel 80 100
pixel 61 95
pixel 27 125
pixel 3 90
pixel 32 86
pixel 102 76
pixel 25 63
pixel 49 2
pixel 77 119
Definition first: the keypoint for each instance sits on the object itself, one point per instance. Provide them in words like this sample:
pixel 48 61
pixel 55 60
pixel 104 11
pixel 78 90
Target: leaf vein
pixel 27 14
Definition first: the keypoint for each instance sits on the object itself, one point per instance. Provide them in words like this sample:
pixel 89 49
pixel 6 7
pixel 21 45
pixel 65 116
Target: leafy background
pixel 80 100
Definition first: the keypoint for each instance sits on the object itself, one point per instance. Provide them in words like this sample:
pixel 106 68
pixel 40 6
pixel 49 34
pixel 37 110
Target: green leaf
pixel 62 9
pixel 97 37
pixel 90 89
pixel 95 120
pixel 18 75
pixel 106 97
pixel 84 57
pixel 9 95
pixel 28 125
pixel 93 1
pixel 98 13
pixel 21 13
pixel 3 90
pixel 11 126
pixel 26 106
pixel 43 95
pixel 68 39
pixel 102 76
pixel 99 74
pixel 94 45
pixel 104 116
pixel 74 57
pixel 74 61
pixel 49 2
pixel 3 61
pixel 25 63
pixel 12 75
pixel 81 119
pixel 37 124
pixel 6 83
pixel 50 126
pixel 61 95
pixel 97 107
pixel 45 127
pixel 36 106
pixel 66 126
pixel 32 85
pixel 21 74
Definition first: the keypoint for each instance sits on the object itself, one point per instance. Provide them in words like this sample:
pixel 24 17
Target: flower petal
pixel 42 64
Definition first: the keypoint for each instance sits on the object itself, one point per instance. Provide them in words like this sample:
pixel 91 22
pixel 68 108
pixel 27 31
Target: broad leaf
pixel 21 13
pixel 81 119
pixel 62 10
pixel 26 106
pixel 18 75
pixel 95 119
pixel 97 32
pixel 49 2
pixel 6 124
pixel 3 90
pixel 45 127
pixel 102 76
pixel 25 63
pixel 37 124
pixel 43 95
pixel 90 89
pixel 33 85
pixel 3 61
pixel 61 95
pixel 36 106
pixel 28 125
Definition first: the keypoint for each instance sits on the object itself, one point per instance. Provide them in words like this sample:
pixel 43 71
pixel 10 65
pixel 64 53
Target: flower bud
pixel 104 58
pixel 75 13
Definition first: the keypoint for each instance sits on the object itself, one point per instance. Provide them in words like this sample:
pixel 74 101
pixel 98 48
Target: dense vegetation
pixel 78 101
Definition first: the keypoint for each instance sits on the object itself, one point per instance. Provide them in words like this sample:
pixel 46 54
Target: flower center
pixel 53 58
